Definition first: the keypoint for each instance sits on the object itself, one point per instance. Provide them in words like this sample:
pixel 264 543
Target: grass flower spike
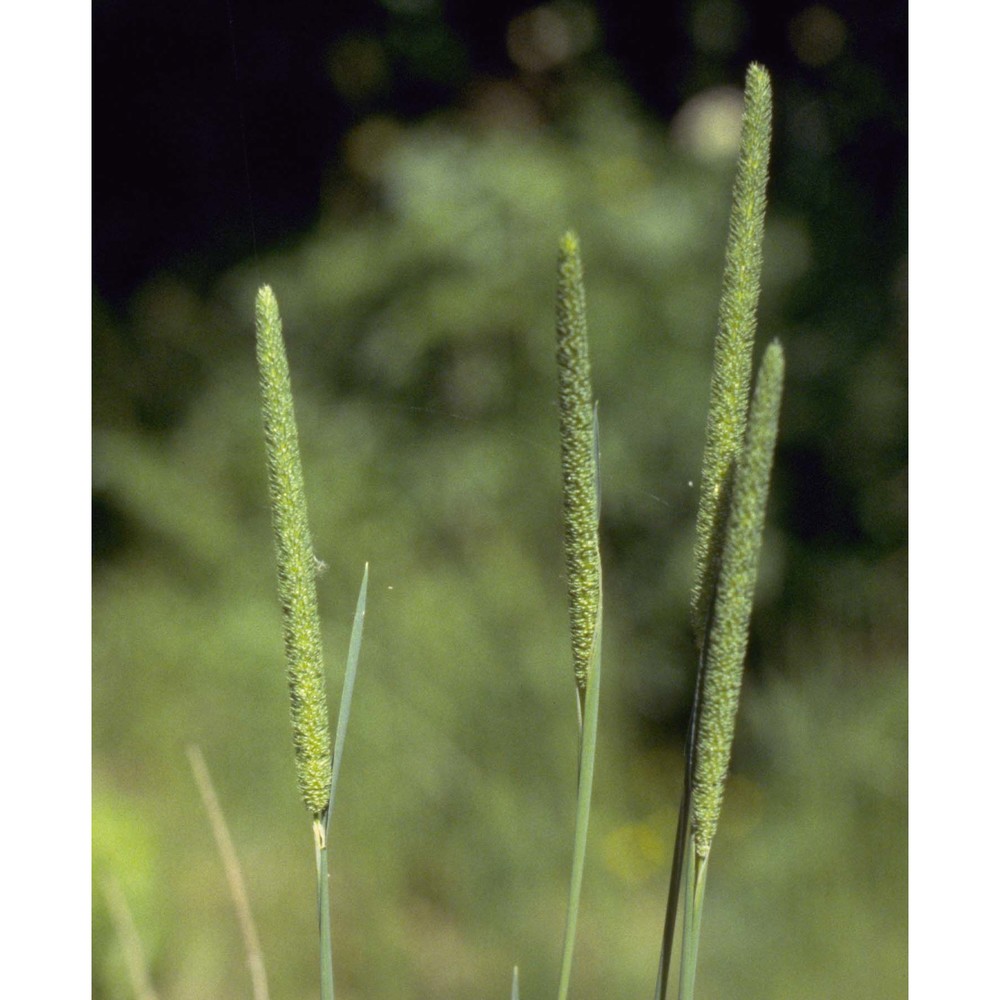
pixel 727 641
pixel 739 450
pixel 727 414
pixel 296 563
pixel 578 437
pixel 316 767
pixel 739 453
pixel 579 458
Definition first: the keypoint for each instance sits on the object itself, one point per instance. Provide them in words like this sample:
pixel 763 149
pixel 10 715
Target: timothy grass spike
pixel 296 562
pixel 579 463
pixel 578 437
pixel 731 366
pixel 726 642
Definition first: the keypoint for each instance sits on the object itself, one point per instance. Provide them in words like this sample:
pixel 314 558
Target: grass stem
pixel 234 873
pixel 585 787
pixel 694 898
pixel 128 939
pixel 323 903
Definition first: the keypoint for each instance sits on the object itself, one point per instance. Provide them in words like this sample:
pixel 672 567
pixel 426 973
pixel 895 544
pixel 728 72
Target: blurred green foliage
pixel 421 343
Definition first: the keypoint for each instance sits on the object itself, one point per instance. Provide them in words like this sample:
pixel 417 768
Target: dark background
pixel 184 96
pixel 230 147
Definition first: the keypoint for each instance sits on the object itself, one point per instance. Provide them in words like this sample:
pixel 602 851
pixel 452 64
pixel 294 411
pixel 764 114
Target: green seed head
pixel 296 562
pixel 726 643
pixel 731 367
pixel 579 463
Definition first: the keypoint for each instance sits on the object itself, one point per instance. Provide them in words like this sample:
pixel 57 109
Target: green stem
pixel 694 898
pixel 681 840
pixel 585 787
pixel 323 900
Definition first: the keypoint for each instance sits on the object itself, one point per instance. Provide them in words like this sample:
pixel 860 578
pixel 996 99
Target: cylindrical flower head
pixel 732 362
pixel 579 457
pixel 296 562
pixel 726 642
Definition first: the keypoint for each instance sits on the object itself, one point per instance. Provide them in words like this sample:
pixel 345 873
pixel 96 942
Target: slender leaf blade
pixel 347 694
